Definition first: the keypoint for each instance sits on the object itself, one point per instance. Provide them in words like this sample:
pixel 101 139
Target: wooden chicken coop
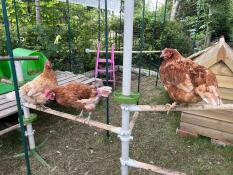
pixel 218 125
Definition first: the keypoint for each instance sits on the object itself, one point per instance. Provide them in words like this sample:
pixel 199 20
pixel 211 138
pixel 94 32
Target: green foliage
pixel 174 36
pixel 52 36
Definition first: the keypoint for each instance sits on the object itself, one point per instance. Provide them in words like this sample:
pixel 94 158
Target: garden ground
pixel 76 149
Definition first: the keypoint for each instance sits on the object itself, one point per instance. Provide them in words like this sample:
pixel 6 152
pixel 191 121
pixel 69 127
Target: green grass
pixel 76 149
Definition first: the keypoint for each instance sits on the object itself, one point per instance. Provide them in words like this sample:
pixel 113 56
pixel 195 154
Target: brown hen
pixel 35 91
pixel 186 81
pixel 79 96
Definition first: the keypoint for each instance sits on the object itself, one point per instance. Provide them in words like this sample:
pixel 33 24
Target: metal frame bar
pixel 7 58
pixel 142 40
pixel 107 64
pixel 120 51
pixel 10 52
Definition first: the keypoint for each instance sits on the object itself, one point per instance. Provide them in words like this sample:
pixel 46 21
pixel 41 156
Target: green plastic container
pixel 31 68
pixel 5 72
pixel 122 99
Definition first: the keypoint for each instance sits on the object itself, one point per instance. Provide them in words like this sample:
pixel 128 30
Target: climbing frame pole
pixel 10 52
pixel 17 22
pixel 106 55
pixel 141 44
pixel 69 34
pixel 126 83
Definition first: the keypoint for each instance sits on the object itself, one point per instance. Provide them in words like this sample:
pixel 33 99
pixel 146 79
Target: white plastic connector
pixel 29 134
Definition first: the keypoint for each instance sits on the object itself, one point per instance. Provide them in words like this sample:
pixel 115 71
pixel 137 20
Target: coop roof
pixel 219 52
pixel 113 5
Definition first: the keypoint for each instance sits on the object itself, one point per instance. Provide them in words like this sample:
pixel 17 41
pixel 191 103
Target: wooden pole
pixel 96 124
pixel 120 52
pixel 151 108
pixel 133 120
pixel 11 128
pixel 7 58
pixel 157 169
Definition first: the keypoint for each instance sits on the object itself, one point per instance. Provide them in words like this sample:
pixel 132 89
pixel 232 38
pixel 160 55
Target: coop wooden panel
pixel 212 133
pixel 207 122
pixel 221 69
pixel 226 93
pixel 221 115
pixel 225 81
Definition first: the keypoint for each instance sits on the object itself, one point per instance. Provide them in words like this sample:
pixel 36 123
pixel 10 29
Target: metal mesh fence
pixel 68 27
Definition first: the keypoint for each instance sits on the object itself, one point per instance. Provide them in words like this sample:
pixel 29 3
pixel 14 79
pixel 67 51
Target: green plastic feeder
pixel 30 68
pixel 5 72
pixel 122 99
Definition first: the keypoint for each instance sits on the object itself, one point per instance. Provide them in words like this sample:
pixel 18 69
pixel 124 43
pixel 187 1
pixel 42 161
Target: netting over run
pixel 113 5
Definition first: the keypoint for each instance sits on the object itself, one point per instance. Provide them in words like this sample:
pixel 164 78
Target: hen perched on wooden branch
pixel 35 91
pixel 186 81
pixel 79 96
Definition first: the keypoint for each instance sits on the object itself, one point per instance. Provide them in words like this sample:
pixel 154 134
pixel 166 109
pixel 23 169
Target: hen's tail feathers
pixel 104 91
pixel 212 96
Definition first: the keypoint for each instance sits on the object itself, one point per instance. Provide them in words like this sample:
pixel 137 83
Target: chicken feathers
pixel 35 91
pixel 186 81
pixel 79 96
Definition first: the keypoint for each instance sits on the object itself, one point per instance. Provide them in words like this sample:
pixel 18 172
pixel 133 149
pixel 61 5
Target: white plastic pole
pixel 126 86
pixel 128 44
pixel 19 71
pixel 30 132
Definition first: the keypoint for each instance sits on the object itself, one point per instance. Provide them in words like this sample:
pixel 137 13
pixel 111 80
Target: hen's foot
pixel 170 106
pixel 87 120
pixel 80 115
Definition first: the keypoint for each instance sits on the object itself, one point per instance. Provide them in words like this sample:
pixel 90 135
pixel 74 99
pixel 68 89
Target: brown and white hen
pixel 35 91
pixel 186 81
pixel 79 96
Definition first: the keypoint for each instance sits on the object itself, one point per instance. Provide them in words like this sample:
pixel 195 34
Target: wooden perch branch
pixel 157 169
pixel 133 120
pixel 141 108
pixel 7 58
pixel 120 51
pixel 96 124
pixel 11 128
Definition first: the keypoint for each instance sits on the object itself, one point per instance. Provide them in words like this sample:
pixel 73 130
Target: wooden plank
pixel 222 69
pixel 228 61
pixel 63 72
pixel 221 115
pixel 208 58
pixel 88 81
pixel 207 122
pixel 225 81
pixel 223 136
pixel 2 101
pixel 2 96
pixel 193 56
pixel 75 78
pixel 226 93
pixel 65 77
pixel 8 111
pixel 7 105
